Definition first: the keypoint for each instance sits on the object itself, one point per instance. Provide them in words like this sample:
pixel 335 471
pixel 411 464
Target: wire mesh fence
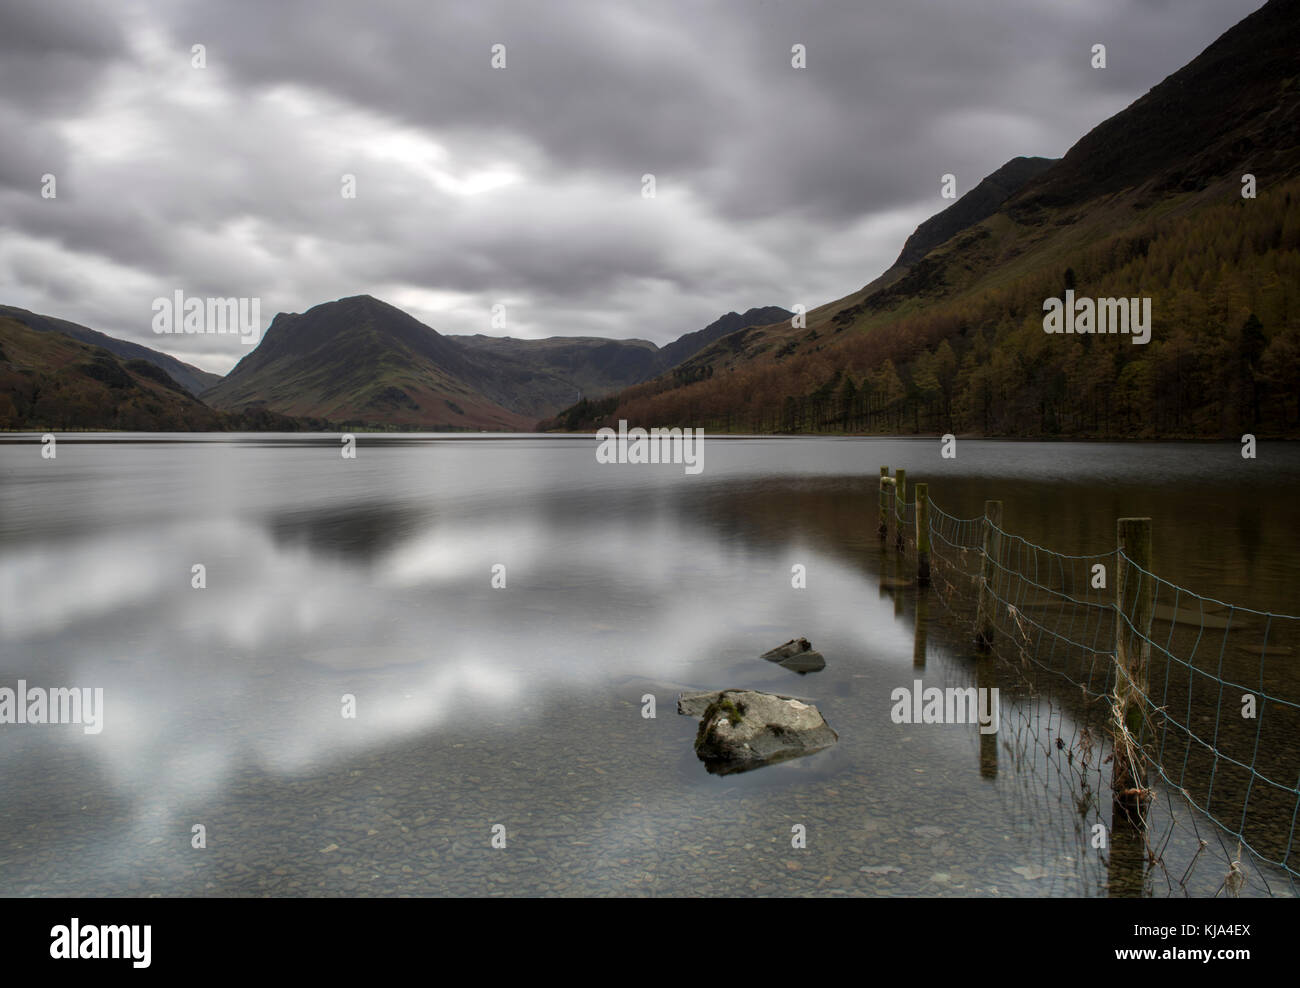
pixel 1218 719
pixel 1221 719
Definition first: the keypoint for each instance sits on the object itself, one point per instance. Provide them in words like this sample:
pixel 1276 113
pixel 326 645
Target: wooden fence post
pixel 922 535
pixel 900 506
pixel 1134 595
pixel 984 623
pixel 921 631
pixel 884 509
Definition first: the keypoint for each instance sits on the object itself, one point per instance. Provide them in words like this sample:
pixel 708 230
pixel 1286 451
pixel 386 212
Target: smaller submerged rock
pixel 797 655
pixel 744 729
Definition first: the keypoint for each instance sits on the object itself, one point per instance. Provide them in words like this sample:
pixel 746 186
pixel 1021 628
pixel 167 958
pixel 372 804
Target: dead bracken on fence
pixel 1200 696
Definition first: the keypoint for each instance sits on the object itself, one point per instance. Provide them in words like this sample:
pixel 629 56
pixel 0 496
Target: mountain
pixel 51 381
pixel 978 204
pixel 1233 105
pixel 1149 204
pixel 362 362
pixel 540 377
pixel 189 377
pixel 686 346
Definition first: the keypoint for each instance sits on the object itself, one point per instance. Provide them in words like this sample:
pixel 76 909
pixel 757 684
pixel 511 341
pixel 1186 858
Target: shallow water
pixel 522 706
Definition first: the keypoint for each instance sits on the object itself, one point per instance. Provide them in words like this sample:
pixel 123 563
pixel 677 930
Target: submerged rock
pixel 744 729
pixel 797 655
pixel 693 703
pixel 793 647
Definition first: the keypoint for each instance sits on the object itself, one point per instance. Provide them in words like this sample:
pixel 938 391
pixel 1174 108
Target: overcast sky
pixel 523 185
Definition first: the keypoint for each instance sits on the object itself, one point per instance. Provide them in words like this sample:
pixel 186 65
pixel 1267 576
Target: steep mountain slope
pixel 363 362
pixel 1233 105
pixel 978 204
pixel 189 377
pixel 52 381
pixel 1147 204
pixel 686 346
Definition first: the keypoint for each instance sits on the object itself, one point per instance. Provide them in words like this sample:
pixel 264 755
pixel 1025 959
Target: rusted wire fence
pixel 1201 696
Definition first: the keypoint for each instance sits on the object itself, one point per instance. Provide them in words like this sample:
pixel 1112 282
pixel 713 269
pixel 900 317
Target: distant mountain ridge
pixel 362 361
pixel 565 369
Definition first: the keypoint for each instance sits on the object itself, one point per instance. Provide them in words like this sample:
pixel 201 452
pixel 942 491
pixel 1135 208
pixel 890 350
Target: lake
pixel 487 714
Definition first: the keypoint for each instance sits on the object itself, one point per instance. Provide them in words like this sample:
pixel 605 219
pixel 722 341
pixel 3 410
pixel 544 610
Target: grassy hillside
pixel 189 377
pixel 51 382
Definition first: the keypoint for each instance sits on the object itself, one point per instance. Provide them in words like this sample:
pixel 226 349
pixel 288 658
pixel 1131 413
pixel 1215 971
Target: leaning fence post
pixel 1133 600
pixel 922 535
pixel 992 555
pixel 900 506
pixel 884 503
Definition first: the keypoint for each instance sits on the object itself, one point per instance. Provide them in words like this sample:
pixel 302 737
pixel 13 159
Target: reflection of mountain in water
pixel 355 534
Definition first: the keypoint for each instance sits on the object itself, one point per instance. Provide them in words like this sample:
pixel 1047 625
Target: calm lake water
pixel 522 706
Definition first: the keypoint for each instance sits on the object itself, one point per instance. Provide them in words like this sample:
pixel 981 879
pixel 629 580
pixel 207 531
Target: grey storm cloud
pixel 523 185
